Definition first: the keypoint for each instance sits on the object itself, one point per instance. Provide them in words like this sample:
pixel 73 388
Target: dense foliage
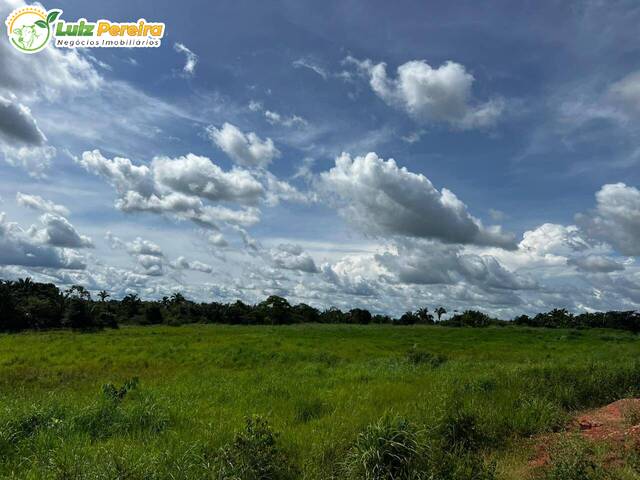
pixel 28 305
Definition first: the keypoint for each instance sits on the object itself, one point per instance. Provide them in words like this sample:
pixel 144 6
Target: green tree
pixel 424 316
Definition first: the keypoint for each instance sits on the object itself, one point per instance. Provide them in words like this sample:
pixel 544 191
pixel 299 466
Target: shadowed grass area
pixel 465 397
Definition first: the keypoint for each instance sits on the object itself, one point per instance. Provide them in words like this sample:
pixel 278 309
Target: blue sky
pixel 348 154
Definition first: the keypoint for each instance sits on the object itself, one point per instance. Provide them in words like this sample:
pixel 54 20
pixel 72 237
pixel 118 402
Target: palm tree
pixel 25 284
pixel 440 311
pixel 177 298
pixel 103 295
pixel 424 315
pixel 131 304
pixel 78 291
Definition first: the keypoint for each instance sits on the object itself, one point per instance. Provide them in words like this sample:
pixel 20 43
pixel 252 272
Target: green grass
pixel 320 387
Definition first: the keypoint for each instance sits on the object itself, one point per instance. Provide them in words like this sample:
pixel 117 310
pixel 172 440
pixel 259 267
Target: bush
pixel 254 454
pixel 388 449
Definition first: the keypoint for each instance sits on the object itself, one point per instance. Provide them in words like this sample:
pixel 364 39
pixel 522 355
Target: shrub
pixel 388 449
pixel 254 454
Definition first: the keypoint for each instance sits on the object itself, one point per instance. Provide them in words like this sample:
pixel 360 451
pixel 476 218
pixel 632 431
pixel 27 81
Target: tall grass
pixel 333 401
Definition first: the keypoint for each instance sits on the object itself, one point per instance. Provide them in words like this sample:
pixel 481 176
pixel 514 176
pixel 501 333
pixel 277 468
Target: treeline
pixel 28 305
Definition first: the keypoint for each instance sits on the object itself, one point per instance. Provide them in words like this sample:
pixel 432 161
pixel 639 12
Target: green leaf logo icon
pixel 51 17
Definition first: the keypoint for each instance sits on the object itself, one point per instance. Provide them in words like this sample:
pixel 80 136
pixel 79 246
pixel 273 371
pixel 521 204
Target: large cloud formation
pixel 384 199
pixel 178 187
pixel 194 175
pixel 19 247
pixel 292 257
pixel 420 262
pixel 616 218
pixel 429 94
pixel 59 232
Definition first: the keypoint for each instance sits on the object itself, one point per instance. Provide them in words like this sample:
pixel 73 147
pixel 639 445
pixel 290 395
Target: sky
pixel 342 153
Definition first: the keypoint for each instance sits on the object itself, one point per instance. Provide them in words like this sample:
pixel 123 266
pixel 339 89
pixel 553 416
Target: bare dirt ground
pixel 617 424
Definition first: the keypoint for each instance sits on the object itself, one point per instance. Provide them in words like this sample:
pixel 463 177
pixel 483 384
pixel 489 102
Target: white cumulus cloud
pixel 429 94
pixel 245 149
pixel 384 199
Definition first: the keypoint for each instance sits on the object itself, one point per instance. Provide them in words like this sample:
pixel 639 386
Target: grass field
pixel 469 398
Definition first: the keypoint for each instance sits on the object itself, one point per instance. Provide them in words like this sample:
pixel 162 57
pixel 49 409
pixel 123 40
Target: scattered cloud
pixel 181 263
pixel 595 264
pixel 57 231
pixel 199 176
pixel 245 149
pixel 189 68
pixel 217 240
pixel 140 246
pixel 36 202
pixel 420 262
pixel 292 257
pixel 429 94
pixel 148 255
pixel 275 118
pixel 311 65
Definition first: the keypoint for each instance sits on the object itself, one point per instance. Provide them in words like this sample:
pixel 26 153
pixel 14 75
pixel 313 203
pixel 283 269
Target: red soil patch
pixel 612 423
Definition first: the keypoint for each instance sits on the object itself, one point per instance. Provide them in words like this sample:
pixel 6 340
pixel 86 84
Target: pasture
pixel 161 402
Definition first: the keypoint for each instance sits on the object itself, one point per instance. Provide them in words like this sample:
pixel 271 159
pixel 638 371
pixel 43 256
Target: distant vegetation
pixel 28 305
